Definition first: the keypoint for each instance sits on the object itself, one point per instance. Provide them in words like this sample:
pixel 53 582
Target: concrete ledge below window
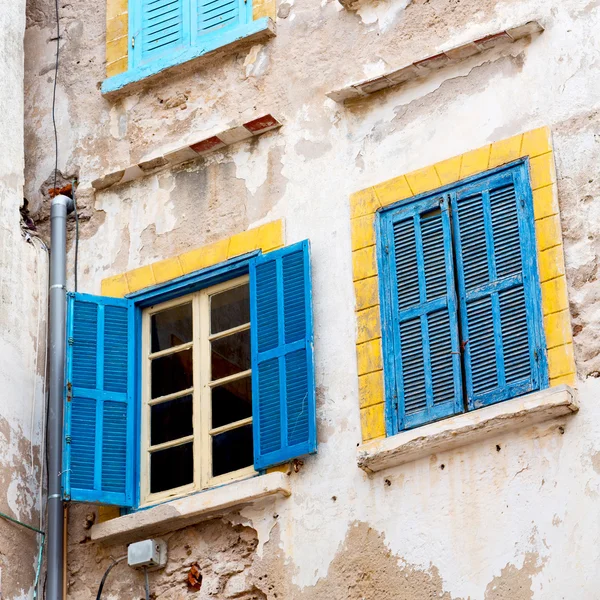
pixel 190 510
pixel 254 31
pixel 466 428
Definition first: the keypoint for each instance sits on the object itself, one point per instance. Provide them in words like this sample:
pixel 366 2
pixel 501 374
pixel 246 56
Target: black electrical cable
pixel 147 583
pixel 54 95
pixel 110 567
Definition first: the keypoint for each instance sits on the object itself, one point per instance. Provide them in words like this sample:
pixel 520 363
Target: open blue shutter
pixel 99 410
pixel 213 15
pixel 498 288
pixel 163 27
pixel 283 387
pixel 420 323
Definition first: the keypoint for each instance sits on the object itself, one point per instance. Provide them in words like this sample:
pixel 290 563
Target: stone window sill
pixel 466 428
pixel 260 29
pixel 190 510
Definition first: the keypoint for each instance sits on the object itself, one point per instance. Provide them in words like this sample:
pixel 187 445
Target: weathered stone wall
pixel 514 517
pixel 23 281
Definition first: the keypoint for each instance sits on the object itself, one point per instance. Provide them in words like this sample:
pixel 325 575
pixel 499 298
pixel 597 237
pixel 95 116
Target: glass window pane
pixel 232 450
pixel 230 309
pixel 171 327
pixel 171 468
pixel 172 373
pixel 171 420
pixel 230 355
pixel 232 402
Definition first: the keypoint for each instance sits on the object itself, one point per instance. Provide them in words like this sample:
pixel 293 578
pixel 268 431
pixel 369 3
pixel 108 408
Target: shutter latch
pixel 133 41
pixel 69 391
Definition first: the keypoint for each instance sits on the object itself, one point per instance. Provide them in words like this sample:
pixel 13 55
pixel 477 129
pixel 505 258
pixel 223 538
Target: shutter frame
pixel 291 360
pixel 88 409
pixel 397 418
pixel 527 279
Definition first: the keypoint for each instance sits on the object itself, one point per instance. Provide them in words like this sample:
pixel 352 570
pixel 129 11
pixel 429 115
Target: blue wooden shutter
pixel 283 388
pixel 498 287
pixel 162 27
pixel 419 315
pixel 213 15
pixel 99 411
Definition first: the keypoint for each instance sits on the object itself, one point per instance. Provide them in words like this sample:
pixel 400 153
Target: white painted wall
pixel 518 523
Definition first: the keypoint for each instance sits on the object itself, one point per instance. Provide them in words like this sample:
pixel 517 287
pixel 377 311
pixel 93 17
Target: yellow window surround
pixel 117 34
pixel 266 238
pixel 537 146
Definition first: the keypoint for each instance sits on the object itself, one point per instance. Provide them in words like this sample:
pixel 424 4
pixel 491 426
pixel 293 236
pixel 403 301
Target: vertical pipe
pixel 61 206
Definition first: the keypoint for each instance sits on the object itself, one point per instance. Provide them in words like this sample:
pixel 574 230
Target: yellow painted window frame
pixel 267 237
pixel 200 392
pixel 536 145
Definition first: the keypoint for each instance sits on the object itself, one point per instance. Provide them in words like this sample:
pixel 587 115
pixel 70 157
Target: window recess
pixel 461 302
pixel 170 397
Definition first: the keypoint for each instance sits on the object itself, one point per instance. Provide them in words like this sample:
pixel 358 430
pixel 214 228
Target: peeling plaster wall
pixel 512 518
pixel 23 281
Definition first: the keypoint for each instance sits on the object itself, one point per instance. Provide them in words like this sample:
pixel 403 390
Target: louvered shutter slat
pixel 498 288
pixel 421 306
pixel 283 394
pixel 99 412
pixel 214 15
pixel 162 28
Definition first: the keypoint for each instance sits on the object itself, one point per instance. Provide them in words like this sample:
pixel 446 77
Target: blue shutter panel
pixel 213 15
pixel 99 410
pixel 498 288
pixel 283 388
pixel 421 346
pixel 163 28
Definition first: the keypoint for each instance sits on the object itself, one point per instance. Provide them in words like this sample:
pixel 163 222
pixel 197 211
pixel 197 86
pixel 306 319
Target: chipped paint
pixel 471 523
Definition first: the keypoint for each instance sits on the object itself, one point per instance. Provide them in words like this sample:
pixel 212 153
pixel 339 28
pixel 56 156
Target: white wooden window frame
pixel 200 391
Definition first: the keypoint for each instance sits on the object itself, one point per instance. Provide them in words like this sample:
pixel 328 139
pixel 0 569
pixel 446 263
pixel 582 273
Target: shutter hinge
pixel 133 41
pixel 68 439
pixel 387 249
pixel 67 497
pixel 69 391
pixel 536 355
pixel 70 341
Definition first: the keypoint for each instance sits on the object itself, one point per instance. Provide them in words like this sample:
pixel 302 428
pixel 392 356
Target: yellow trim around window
pixel 266 238
pixel 537 145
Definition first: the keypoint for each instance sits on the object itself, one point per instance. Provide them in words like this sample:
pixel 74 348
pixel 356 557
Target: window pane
pixel 230 355
pixel 171 468
pixel 171 327
pixel 232 402
pixel 232 450
pixel 172 373
pixel 230 309
pixel 171 420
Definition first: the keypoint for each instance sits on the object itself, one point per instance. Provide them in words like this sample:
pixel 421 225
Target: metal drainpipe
pixel 61 207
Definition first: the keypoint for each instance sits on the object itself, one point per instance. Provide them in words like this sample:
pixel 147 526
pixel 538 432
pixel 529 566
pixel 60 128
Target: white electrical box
pixel 151 554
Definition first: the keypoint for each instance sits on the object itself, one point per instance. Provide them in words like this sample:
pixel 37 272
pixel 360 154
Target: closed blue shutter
pixel 163 27
pixel 421 347
pixel 213 15
pixel 99 410
pixel 283 388
pixel 498 288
